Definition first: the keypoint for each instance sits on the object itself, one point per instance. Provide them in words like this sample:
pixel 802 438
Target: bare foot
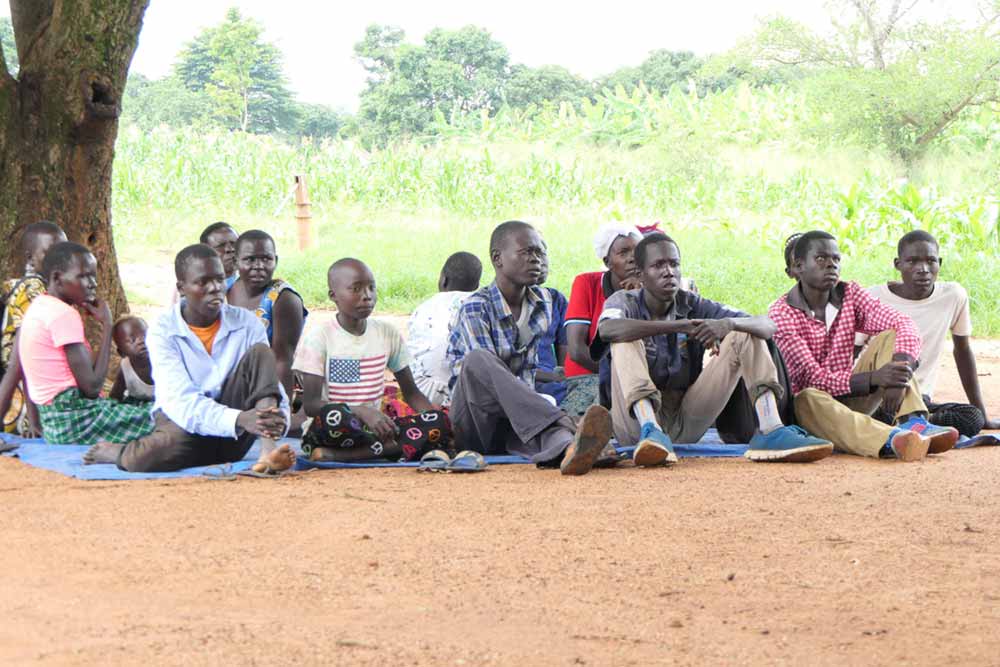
pixel 102 452
pixel 277 460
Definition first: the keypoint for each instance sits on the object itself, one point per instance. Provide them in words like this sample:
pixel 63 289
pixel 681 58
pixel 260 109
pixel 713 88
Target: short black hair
pixel 60 256
pixel 30 234
pixel 790 247
pixel 916 236
pixel 191 253
pixel 252 235
pixel 503 230
pixel 464 271
pixel 122 319
pixel 805 242
pixel 212 228
pixel 648 240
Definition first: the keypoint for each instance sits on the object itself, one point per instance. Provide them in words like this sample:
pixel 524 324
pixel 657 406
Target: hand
pixel 380 424
pixel 264 422
pixel 632 282
pixel 893 374
pixel 892 398
pixel 710 332
pixel 100 311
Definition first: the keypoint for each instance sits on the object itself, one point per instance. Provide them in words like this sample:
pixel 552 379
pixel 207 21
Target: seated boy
pixel 342 364
pixel 834 395
pixel 134 382
pixel 61 375
pixel 550 377
pixel 493 351
pixel 430 324
pixel 16 295
pixel 217 385
pixel 661 391
pixel 614 244
pixel 936 307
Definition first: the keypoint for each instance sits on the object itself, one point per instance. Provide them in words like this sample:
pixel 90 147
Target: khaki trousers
pixel 846 421
pixel 685 415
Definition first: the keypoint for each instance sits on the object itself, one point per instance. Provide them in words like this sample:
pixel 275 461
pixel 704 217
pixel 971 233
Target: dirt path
pixel 846 561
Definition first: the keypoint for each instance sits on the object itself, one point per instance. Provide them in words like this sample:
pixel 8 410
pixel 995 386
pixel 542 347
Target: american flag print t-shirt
pixel 352 367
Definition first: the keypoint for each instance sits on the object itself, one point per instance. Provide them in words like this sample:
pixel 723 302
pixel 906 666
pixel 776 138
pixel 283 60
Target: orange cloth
pixel 207 334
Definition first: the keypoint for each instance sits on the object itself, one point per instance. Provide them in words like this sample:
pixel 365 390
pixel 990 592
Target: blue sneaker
pixel 905 445
pixel 942 438
pixel 654 448
pixel 788 444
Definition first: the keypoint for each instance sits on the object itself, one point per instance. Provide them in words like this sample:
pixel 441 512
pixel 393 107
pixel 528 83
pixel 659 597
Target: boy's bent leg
pixel 630 383
pixel 850 431
pixel 740 356
pixel 876 354
pixel 168 448
pixel 255 378
pixel 486 395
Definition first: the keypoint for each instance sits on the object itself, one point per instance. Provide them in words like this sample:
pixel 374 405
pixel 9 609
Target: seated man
pixel 430 325
pixel 342 363
pixel 493 351
pixel 834 395
pixel 660 391
pixel 614 245
pixel 936 307
pixel 217 386
pixel 275 303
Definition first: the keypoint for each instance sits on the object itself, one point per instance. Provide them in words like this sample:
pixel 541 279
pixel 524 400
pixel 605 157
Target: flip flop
pixel 468 461
pixel 435 460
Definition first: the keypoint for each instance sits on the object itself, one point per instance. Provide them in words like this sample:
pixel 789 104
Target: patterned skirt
pixel 72 419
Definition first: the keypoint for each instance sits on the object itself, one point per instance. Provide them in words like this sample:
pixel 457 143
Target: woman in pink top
pixel 62 376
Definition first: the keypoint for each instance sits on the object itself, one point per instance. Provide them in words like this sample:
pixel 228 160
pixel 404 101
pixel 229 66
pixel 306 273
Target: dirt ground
pixel 846 561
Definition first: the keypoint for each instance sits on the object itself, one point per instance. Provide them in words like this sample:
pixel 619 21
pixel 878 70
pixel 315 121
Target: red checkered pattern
pixel 824 360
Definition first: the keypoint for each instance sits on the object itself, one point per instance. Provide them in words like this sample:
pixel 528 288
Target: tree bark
pixel 59 122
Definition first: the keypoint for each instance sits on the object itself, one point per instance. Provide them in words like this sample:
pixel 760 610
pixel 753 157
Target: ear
pixel 443 283
pixel 607 261
pixel 329 293
pixel 896 261
pixel 495 257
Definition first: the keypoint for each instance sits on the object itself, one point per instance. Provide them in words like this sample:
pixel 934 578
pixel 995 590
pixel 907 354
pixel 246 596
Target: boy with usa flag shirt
pixel 342 362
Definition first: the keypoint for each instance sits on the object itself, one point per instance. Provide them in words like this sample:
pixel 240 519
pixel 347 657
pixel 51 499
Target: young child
pixel 17 294
pixel 62 376
pixel 134 382
pixel 342 364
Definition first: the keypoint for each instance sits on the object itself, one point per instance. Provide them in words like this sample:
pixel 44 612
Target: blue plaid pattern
pixel 484 322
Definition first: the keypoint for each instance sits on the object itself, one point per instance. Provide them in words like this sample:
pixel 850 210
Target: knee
pixel 477 360
pixel 886 338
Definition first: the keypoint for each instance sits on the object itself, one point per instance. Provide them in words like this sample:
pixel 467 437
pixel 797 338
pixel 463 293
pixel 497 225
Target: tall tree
pixel 660 71
pixel 241 73
pixel 883 74
pixel 59 122
pixel 548 84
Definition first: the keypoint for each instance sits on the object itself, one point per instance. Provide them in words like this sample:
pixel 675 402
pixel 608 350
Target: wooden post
pixel 303 216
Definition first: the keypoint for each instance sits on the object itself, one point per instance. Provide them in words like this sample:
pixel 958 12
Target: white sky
pixel 590 39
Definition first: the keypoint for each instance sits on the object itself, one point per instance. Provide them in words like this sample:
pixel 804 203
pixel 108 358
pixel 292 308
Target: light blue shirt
pixel 189 382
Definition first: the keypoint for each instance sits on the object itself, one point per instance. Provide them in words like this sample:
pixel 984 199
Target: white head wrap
pixel 607 234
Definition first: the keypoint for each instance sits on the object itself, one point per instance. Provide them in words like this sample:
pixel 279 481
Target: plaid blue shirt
pixel 484 321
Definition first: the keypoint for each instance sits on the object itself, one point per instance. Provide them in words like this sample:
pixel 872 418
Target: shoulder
pixel 952 290
pixel 622 298
pixel 478 301
pixel 383 328
pixel 239 318
pixel 558 298
pixel 586 280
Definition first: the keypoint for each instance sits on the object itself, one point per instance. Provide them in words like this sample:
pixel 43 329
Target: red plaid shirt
pixel 825 360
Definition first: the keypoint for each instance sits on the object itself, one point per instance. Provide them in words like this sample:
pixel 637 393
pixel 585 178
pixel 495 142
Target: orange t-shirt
pixel 207 334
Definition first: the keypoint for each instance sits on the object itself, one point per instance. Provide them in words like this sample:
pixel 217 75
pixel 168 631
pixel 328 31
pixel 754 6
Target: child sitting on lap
pixel 342 364
pixel 134 383
pixel 62 376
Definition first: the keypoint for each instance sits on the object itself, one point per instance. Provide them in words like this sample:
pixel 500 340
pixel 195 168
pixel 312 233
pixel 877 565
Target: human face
pixel 820 269
pixel 661 276
pixel 42 244
pixel 223 241
pixel 919 265
pixel 130 339
pixel 545 268
pixel 621 258
pixel 352 288
pixel 78 283
pixel 520 259
pixel 203 288
pixel 256 261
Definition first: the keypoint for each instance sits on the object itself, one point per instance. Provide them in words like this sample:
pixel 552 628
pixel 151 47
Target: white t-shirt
pixel 946 309
pixel 353 367
pixel 427 341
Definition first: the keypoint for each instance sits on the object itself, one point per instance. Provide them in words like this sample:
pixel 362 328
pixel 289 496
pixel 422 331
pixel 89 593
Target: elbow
pixel 579 356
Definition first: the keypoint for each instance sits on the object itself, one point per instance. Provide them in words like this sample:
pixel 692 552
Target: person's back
pixel 427 340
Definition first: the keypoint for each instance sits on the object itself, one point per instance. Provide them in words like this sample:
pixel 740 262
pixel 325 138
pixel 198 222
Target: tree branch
pixel 5 77
pixel 30 19
pixel 952 113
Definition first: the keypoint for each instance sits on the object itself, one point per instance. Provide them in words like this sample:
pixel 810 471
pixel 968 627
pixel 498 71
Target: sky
pixel 590 39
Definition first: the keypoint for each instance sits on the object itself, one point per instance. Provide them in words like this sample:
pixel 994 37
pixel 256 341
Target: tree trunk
pixel 59 122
